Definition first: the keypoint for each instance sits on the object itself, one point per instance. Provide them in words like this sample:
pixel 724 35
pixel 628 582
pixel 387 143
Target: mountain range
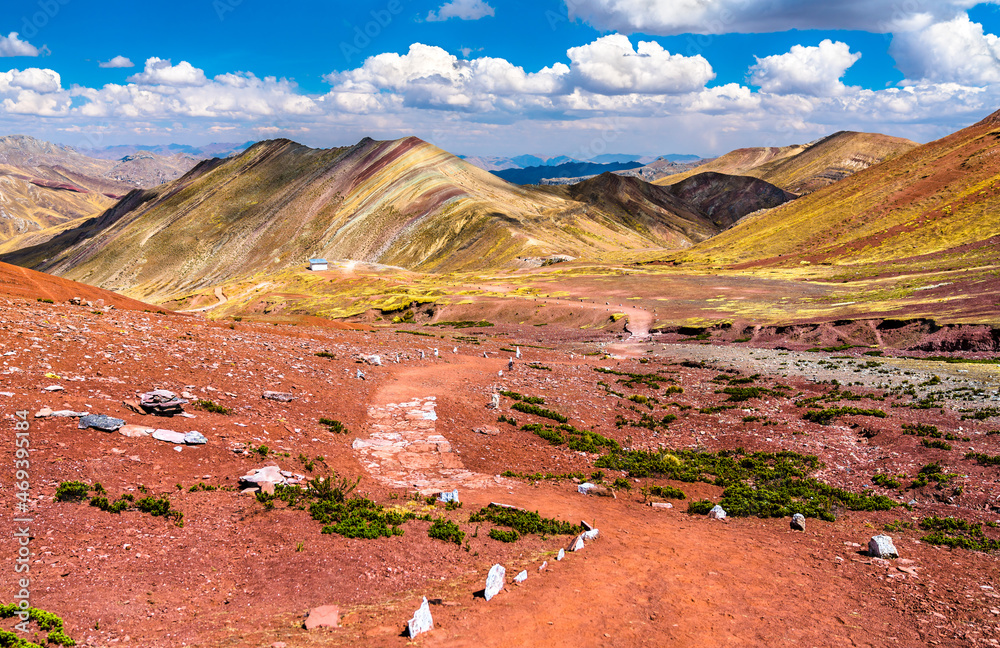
pixel 44 185
pixel 802 169
pixel 851 206
pixel 401 203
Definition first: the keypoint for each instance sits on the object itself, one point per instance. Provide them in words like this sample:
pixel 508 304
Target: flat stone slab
pixel 523 576
pixel 135 431
pixel 324 616
pixel 169 436
pixel 100 422
pixel 495 581
pixel 421 621
pixel 577 544
pixel 281 397
pixel 69 414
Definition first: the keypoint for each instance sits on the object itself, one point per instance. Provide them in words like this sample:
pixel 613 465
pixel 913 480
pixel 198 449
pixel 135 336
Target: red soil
pixel 239 575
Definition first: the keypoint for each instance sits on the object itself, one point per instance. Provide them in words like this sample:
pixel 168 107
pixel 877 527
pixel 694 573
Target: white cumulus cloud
pixel 11 45
pixel 461 9
pixel 957 51
pixel 35 79
pixel 117 62
pixel 805 70
pixel 610 65
pixel 671 17
pixel 161 72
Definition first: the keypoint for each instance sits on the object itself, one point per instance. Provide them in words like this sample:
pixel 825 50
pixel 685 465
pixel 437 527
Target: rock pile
pixel 162 403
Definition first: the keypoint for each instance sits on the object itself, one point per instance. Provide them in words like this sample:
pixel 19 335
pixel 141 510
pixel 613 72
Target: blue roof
pixel 317 260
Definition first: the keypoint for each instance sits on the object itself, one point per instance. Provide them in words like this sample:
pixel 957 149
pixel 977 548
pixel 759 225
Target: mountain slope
pixel 726 199
pixel 29 284
pixel 740 162
pixel 804 169
pixel 402 203
pixel 937 205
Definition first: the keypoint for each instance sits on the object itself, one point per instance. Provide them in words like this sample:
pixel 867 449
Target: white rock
pixel 495 581
pixel 717 513
pixel 523 576
pixel 798 522
pixel 561 554
pixel 544 565
pixel 195 438
pixel 421 621
pixel 881 546
pixel 169 436
pixel 577 544
pixel 590 536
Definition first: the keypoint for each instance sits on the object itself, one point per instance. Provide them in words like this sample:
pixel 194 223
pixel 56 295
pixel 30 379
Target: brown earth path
pixel 654 577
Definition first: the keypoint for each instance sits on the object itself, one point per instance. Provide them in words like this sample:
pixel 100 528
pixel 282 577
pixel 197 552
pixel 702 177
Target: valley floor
pixel 239 573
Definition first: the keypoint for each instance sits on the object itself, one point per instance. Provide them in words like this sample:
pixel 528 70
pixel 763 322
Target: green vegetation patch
pixel 47 622
pixel 547 476
pixel 635 380
pixel 329 502
pixel 984 459
pixel 524 522
pixel 826 416
pixel 950 360
pixel 887 481
pixel 209 406
pixel 505 535
pixel 932 472
pixel 646 421
pixel 666 492
pixel 761 484
pixel 529 408
pixel 334 426
pixel 535 400
pixel 446 530
pixel 72 491
pixel 959 533
pixel 465 324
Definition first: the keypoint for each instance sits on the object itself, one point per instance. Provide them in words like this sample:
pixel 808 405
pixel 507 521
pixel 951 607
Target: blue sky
pixel 488 77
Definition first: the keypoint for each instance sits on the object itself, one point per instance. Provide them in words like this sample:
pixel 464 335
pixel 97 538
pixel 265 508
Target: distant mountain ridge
pixel 534 175
pixel 203 152
pixel 934 207
pixel 804 168
pixel 403 203
pixel 45 184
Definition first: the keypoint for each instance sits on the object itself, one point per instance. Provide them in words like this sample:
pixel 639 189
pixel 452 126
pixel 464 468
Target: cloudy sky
pixel 497 77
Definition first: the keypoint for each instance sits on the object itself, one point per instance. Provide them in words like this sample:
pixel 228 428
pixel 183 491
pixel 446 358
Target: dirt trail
pixel 404 449
pixel 653 577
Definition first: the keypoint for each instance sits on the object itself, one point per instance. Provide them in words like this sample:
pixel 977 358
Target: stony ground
pixel 239 574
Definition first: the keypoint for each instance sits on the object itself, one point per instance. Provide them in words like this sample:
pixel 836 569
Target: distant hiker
pixel 510 364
